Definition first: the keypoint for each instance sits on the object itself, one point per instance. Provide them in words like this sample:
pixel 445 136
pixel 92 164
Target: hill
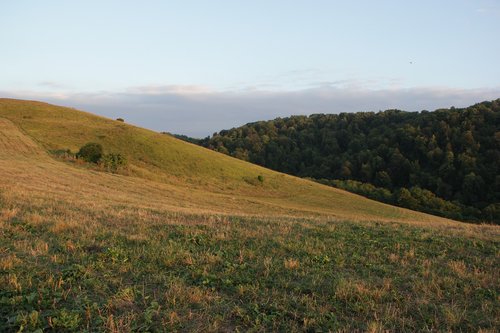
pixel 445 162
pixel 187 174
pixel 187 239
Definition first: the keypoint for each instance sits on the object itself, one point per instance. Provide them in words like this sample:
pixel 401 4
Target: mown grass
pixel 157 271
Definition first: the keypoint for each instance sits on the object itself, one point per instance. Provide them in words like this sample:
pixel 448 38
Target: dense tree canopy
pixel 450 154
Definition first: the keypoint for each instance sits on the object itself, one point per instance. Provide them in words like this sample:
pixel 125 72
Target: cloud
pixel 492 9
pixel 198 111
pixel 170 89
pixel 52 85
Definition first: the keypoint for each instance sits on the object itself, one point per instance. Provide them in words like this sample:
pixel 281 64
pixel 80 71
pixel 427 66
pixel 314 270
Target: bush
pixel 120 119
pixel 62 153
pixel 492 213
pixel 90 152
pixel 112 162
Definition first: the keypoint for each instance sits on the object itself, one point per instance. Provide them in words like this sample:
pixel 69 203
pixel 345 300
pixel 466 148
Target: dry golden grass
pixel 291 263
pixel 7 262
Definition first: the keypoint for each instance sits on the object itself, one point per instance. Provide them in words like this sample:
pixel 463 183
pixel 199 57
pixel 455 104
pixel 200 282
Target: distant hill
pixel 446 162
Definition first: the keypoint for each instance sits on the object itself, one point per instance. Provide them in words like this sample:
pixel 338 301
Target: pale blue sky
pixel 328 51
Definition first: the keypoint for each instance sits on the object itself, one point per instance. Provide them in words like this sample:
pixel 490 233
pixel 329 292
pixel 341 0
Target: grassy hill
pixel 190 239
pixel 184 174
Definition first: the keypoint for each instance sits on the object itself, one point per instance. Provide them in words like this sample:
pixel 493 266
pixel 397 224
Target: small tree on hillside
pixel 90 152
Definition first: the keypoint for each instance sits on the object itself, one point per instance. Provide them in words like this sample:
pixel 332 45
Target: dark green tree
pixel 90 152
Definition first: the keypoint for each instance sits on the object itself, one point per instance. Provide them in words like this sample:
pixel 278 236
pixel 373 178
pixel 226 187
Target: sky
pixel 196 67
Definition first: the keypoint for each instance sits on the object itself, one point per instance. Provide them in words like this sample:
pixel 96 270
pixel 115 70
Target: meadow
pixel 125 270
pixel 190 240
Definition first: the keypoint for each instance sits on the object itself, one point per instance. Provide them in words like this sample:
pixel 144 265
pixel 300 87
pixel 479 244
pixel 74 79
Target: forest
pixel 445 162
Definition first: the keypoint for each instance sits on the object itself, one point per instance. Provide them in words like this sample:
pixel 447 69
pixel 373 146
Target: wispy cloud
pixel 170 89
pixel 198 111
pixel 491 9
pixel 52 85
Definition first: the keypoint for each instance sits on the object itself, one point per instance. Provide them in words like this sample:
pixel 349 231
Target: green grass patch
pixel 213 273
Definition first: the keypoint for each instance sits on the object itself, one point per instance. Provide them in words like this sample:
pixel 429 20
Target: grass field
pixel 190 240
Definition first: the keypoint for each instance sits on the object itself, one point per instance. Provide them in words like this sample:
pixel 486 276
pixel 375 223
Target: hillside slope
pixel 165 172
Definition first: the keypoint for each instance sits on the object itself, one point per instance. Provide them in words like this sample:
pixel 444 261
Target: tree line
pixel 445 162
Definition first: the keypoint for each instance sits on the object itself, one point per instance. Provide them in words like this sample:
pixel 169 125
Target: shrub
pixel 260 178
pixel 492 213
pixel 404 198
pixel 112 162
pixel 90 152
pixel 62 153
pixel 120 119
